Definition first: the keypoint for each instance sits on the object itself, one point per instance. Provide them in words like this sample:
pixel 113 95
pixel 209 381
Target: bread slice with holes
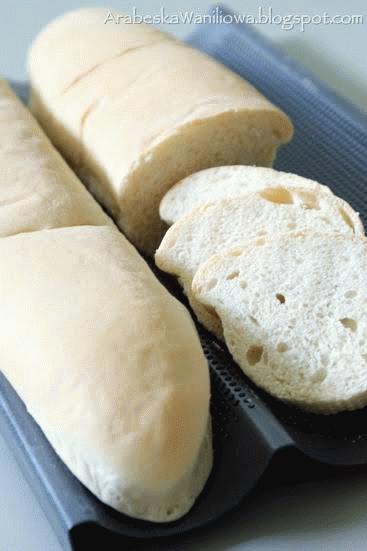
pixel 294 316
pixel 213 228
pixel 214 184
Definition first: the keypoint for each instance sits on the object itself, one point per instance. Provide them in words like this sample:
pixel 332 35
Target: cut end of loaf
pixel 228 138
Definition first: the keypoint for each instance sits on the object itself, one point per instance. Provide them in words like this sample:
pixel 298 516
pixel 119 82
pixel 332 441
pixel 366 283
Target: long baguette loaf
pixel 38 190
pixel 106 360
pixel 143 112
pixel 109 365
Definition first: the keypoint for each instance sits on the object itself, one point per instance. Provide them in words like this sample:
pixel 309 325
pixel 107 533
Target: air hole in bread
pixel 350 294
pixel 233 275
pixel 326 220
pixel 254 320
pixel 364 356
pixel 211 284
pixel 236 253
pixel 292 226
pixel 349 323
pixel 260 242
pixel 309 200
pixel 243 284
pixel 277 195
pixel 254 354
pixel 319 376
pixel 346 218
pixel 261 233
pixel 282 347
pixel 281 298
pixel 171 243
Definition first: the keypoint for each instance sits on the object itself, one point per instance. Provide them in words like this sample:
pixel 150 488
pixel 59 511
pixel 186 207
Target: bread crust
pixel 38 190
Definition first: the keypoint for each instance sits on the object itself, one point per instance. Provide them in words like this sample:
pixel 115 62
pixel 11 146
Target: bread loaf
pixel 137 115
pixel 107 362
pixel 109 366
pixel 38 190
pixel 216 227
pixel 293 311
pixel 224 182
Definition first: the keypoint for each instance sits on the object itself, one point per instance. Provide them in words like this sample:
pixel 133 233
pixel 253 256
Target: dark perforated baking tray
pixel 252 432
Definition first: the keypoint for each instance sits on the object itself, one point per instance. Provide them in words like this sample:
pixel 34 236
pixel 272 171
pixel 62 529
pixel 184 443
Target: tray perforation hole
pixel 226 377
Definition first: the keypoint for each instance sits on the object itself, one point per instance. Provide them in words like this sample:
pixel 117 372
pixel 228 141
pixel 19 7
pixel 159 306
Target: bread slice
pixel 134 120
pixel 294 316
pixel 109 365
pixel 224 182
pixel 213 228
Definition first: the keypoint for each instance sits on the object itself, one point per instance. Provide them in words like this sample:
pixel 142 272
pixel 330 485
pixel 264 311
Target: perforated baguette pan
pixel 252 432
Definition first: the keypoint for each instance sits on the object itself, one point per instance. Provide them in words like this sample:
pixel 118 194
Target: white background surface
pixel 327 515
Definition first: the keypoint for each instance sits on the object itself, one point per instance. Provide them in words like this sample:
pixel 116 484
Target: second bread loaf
pixel 140 115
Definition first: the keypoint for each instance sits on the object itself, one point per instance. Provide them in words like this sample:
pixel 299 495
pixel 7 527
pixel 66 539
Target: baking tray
pixel 255 435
